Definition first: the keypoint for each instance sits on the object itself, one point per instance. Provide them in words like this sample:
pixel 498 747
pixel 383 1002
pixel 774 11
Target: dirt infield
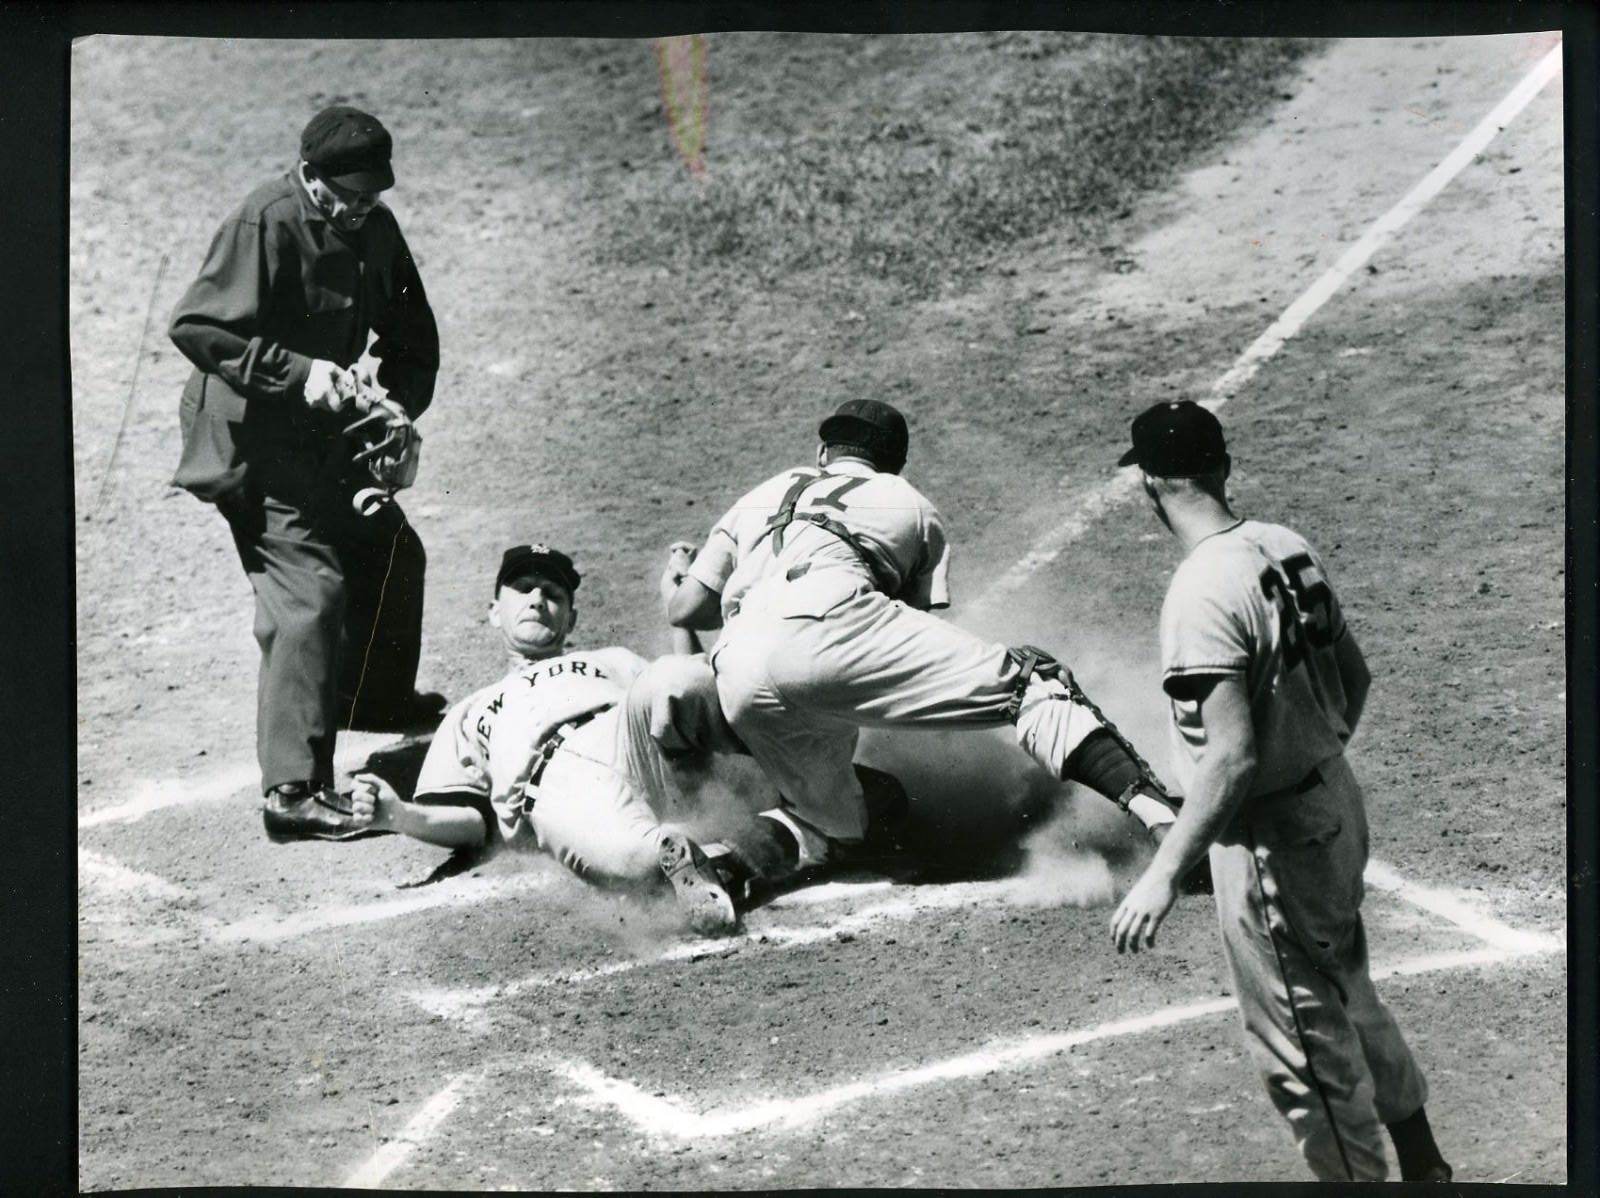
pixel 325 1014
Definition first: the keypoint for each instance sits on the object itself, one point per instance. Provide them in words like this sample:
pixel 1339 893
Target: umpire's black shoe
pixel 417 711
pixel 303 811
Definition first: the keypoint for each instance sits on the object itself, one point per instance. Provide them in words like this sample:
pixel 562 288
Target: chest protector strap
pixel 786 515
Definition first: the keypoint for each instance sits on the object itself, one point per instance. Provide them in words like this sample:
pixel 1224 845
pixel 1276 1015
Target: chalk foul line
pixel 664 1117
pixel 1125 485
pixel 376 1168
pixel 226 782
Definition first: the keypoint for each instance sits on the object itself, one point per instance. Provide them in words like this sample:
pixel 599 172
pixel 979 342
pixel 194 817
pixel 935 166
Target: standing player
pixel 275 322
pixel 1266 685
pixel 583 753
pixel 824 576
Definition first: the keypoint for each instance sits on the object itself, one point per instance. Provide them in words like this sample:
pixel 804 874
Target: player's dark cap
pixel 541 558
pixel 869 422
pixel 349 147
pixel 1176 440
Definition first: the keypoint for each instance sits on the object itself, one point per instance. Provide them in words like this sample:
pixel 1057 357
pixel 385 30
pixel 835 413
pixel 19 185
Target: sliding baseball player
pixel 586 754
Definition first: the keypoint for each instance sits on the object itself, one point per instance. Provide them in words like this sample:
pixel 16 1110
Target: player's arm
pixel 1353 676
pixel 1221 783
pixel 692 606
pixel 451 821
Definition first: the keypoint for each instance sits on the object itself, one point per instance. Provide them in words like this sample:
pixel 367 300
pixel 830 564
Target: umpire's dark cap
pixel 541 559
pixel 349 147
pixel 1176 440
pixel 869 422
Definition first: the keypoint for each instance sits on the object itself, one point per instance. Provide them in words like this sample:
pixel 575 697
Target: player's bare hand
pixel 1141 911
pixel 680 556
pixel 372 801
pixel 329 387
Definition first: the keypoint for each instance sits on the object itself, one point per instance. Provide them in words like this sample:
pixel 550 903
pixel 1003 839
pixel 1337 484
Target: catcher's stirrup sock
pixel 1102 765
pixel 1414 1147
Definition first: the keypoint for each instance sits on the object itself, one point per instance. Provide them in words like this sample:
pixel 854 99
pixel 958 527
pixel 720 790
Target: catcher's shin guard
pixel 1106 761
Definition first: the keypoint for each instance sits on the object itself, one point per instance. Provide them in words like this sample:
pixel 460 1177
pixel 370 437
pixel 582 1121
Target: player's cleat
pixel 302 811
pixel 422 710
pixel 700 889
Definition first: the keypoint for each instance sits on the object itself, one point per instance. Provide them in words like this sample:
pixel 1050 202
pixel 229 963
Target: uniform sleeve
pixel 1202 632
pixel 625 664
pixel 217 324
pixel 407 345
pixel 454 763
pixel 714 564
pixel 929 587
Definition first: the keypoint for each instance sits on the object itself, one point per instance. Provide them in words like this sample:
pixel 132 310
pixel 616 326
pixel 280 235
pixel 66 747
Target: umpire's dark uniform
pixel 338 595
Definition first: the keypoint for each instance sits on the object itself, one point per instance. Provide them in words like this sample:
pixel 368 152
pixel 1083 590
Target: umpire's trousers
pixel 1288 877
pixel 338 607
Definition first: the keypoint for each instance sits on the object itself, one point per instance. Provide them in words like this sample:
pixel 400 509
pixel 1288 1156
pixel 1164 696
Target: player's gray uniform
pixel 826 631
pixel 1254 601
pixel 600 797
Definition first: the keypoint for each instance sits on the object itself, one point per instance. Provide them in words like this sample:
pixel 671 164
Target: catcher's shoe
pixel 701 890
pixel 303 811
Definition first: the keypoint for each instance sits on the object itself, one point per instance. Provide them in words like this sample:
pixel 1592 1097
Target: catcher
pixel 277 324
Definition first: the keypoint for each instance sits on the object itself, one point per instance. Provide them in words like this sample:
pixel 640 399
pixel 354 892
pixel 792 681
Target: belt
pixel 530 791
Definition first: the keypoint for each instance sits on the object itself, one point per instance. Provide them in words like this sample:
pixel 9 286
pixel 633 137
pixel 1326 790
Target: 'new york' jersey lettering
pixel 1255 601
pixel 488 742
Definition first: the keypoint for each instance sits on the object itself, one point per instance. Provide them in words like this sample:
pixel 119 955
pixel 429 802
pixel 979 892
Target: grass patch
pixel 900 178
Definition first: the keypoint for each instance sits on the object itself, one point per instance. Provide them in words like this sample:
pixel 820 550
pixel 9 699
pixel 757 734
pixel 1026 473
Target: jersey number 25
pixel 1305 606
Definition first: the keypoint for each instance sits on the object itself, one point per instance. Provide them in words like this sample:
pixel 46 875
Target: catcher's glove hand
pixel 391 445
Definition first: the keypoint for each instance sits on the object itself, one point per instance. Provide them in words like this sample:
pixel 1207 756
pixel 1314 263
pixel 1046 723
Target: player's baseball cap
pixel 546 560
pixel 872 423
pixel 349 147
pixel 1177 439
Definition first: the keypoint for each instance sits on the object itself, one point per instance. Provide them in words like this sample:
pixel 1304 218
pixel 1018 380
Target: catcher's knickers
pixel 801 674
pixel 1288 879
pixel 607 789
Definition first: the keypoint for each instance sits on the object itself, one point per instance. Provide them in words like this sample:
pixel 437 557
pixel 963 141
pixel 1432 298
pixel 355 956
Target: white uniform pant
pixel 605 796
pixel 1288 880
pixel 797 689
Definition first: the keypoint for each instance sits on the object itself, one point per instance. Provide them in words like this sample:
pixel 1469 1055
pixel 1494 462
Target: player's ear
pixel 822 454
pixel 494 610
pixel 572 620
pixel 1227 466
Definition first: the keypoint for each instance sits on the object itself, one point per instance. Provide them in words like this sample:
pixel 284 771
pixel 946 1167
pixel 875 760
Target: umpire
pixel 275 323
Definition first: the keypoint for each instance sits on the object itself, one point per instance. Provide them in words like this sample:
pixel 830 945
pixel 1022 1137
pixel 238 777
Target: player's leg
pixel 805 753
pixel 381 642
pixel 1288 897
pixel 879 663
pixel 588 816
pixel 1400 1091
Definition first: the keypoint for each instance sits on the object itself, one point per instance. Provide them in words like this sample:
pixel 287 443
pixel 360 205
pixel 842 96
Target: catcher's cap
pixel 540 558
pixel 1176 440
pixel 872 423
pixel 349 147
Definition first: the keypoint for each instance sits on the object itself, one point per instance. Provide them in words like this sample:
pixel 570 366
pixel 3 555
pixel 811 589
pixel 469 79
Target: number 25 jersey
pixel 1253 600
